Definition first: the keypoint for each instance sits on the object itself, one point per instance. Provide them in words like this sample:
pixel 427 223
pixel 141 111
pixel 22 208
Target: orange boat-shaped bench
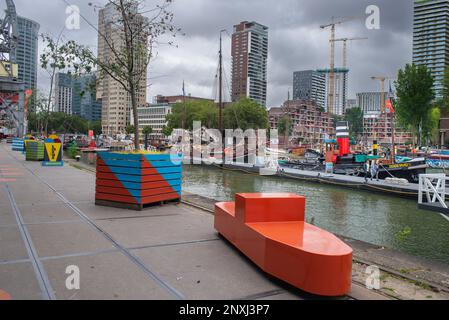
pixel 270 229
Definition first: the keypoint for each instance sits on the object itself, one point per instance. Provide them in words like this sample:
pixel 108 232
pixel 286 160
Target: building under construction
pixel 311 125
pixel 379 127
pixel 340 93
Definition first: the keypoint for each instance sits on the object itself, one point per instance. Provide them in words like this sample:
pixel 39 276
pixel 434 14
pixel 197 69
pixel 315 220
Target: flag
pixel 390 106
pixel 389 102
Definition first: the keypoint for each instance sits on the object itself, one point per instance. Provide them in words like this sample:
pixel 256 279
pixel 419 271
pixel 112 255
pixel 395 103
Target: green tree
pixel 354 117
pixel 193 110
pixel 147 130
pixel 140 26
pixel 96 127
pixel 130 129
pixel 245 114
pixel 414 107
pixel 285 127
pixel 444 102
pixel 167 131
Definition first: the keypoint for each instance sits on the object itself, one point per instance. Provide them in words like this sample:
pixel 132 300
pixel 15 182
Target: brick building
pixel 310 124
pixel 380 127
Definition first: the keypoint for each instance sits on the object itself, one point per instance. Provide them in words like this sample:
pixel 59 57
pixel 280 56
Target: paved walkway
pixel 48 222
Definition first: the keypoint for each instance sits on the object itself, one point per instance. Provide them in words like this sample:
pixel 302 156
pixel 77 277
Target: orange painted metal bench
pixel 270 229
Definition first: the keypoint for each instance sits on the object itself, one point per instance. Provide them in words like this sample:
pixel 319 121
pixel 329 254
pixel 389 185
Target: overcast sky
pixel 296 41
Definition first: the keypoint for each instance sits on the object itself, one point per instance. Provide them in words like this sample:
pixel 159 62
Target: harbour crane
pixel 331 94
pixel 12 92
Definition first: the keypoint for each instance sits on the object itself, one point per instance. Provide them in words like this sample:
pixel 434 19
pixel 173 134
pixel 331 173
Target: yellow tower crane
pixel 345 48
pixel 331 88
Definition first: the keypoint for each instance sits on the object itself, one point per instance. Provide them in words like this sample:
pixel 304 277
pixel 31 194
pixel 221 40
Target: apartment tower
pixel 431 38
pixel 249 62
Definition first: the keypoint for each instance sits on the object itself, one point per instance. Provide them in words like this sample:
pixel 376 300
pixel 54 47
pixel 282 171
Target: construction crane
pixel 12 92
pixel 331 95
pixel 345 48
pixel 382 80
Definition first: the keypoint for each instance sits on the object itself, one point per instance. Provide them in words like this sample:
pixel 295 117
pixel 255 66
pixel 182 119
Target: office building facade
pixel 84 102
pixel 27 53
pixel 371 102
pixel 154 116
pixel 309 85
pixel 63 93
pixel 249 62
pixel 431 38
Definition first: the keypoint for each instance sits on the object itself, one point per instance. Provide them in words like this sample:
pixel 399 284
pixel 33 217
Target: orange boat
pixel 270 229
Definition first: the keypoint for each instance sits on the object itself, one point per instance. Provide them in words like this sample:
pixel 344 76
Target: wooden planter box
pixel 34 151
pixel 135 181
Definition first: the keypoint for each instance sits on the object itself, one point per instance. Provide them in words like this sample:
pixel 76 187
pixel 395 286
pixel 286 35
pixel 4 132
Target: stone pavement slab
pixel 6 214
pixel 19 280
pixel 47 213
pixel 103 277
pixel 208 270
pixel 66 238
pixel 12 247
pixel 161 230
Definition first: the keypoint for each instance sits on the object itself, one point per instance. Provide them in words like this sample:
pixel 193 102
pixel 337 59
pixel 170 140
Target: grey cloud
pixel 296 41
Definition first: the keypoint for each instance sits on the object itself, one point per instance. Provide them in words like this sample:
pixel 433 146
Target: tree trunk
pixel 136 118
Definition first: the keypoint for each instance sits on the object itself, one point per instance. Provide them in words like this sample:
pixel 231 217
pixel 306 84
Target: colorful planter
pixel 34 151
pixel 135 181
pixel 18 144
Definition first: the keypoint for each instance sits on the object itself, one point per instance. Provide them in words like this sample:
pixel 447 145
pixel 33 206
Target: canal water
pixel 377 219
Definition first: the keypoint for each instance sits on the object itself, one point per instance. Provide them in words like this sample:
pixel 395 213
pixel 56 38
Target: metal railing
pixel 433 188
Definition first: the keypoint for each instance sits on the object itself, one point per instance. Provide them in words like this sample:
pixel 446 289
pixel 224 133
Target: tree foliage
pixel 354 116
pixel 414 108
pixel 59 122
pixel 147 130
pixel 130 129
pixel 193 110
pixel 138 36
pixel 245 114
pixel 285 126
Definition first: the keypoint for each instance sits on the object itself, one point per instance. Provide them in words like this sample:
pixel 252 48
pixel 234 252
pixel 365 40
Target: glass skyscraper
pixel 310 85
pixel 27 53
pixel 84 102
pixel 431 38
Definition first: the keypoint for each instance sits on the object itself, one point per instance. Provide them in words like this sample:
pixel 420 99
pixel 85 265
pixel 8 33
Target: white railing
pixel 433 187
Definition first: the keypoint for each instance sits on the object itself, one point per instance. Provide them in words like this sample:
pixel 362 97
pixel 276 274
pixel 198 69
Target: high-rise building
pixel 84 102
pixel 63 93
pixel 371 102
pixel 77 96
pixel 27 53
pixel 341 90
pixel 309 85
pixel 116 101
pixel 431 38
pixel 249 62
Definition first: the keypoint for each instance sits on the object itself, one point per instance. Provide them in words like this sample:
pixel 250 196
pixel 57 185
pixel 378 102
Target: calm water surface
pixel 373 218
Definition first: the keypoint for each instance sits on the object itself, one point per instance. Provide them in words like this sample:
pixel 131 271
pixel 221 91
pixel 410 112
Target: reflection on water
pixel 365 216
